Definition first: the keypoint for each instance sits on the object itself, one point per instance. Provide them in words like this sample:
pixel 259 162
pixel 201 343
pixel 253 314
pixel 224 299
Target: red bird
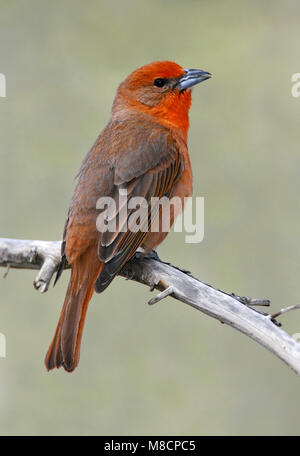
pixel 143 150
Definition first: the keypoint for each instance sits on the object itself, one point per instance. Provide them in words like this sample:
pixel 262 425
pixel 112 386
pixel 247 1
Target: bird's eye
pixel 159 82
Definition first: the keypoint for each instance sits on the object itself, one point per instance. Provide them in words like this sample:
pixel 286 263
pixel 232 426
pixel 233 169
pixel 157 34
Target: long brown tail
pixel 64 349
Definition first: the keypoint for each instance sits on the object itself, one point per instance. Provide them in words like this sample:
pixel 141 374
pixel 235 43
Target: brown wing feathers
pixel 116 250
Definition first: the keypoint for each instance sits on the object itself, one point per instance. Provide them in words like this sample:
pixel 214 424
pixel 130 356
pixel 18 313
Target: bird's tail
pixel 64 349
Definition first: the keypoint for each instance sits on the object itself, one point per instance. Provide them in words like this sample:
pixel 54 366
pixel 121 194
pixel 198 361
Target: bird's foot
pixel 152 256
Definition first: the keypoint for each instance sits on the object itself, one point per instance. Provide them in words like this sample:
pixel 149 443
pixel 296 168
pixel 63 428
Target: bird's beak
pixel 192 77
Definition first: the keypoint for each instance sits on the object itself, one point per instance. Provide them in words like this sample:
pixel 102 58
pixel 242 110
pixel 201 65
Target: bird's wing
pixel 150 170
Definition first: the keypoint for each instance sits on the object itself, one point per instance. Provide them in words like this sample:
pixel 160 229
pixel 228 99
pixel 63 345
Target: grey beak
pixel 192 77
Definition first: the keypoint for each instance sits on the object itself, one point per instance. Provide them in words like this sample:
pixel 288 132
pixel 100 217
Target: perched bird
pixel 142 150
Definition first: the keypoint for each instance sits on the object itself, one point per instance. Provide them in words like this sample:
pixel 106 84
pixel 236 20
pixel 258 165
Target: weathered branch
pixel 171 281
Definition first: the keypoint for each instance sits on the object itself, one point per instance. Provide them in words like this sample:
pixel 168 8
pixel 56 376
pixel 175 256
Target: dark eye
pixel 159 82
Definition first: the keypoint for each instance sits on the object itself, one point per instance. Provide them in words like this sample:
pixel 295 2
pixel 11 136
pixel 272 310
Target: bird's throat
pixel 174 110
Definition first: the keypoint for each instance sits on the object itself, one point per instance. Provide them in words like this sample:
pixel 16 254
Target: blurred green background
pixel 166 369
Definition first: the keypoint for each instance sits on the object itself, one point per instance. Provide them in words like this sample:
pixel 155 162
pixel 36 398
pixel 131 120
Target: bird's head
pixel 162 89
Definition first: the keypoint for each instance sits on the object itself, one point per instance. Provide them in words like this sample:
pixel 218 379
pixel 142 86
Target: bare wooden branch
pixel 285 310
pixel 171 281
pixel 163 294
pixel 41 255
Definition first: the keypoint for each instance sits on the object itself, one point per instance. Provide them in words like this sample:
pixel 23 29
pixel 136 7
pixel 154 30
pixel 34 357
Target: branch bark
pixel 171 281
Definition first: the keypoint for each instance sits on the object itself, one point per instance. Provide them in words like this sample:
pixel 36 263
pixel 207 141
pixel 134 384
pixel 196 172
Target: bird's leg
pixel 152 255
